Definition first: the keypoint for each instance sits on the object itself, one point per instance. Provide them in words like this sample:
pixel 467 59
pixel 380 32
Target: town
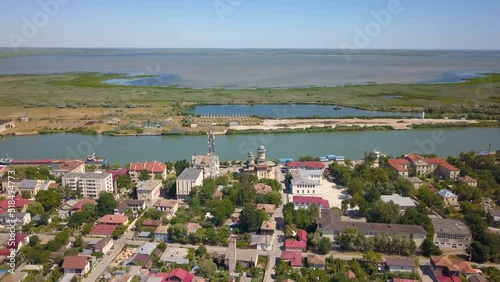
pixel 405 218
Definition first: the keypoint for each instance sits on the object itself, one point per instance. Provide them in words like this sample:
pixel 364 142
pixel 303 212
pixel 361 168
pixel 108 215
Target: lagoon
pixel 353 145
pixel 290 111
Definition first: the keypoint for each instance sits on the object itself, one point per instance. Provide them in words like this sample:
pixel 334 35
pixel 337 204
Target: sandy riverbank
pixel 307 123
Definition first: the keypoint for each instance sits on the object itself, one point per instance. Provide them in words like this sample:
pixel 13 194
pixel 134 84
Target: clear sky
pixel 420 24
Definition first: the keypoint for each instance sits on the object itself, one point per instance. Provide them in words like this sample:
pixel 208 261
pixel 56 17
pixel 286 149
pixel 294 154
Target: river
pixel 443 142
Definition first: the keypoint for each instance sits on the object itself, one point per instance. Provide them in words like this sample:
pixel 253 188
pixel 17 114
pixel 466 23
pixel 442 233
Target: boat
pixel 6 161
pixel 92 159
pixel 337 108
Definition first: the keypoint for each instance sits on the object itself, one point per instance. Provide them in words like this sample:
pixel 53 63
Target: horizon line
pixel 259 48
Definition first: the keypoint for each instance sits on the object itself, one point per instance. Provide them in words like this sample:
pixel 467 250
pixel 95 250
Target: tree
pixel 119 231
pixel 153 213
pixel 480 252
pixel 325 245
pixel 106 203
pixel 180 166
pixel 49 199
pixel 201 251
pixel 177 232
pixel 383 212
pixel 35 208
pixel 26 195
pixel 162 246
pixel 35 256
pixel 221 210
pixel 207 268
pixel 428 248
pixel 34 241
pixel 124 181
pixel 373 257
pixel 144 175
pixel 251 219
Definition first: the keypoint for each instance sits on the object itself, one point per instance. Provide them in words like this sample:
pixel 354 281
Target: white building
pixel 403 202
pixel 189 178
pixel 90 183
pixel 306 182
pixel 149 190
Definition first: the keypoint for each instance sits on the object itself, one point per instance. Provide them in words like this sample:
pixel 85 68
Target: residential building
pixel 268 227
pixel 6 125
pixel 294 258
pixel 143 260
pixel 247 258
pixel 111 219
pixel 424 166
pixel 103 230
pixel 317 261
pixel 400 166
pixel 467 180
pixel 30 186
pixel 89 183
pixel 259 166
pixel 75 166
pixel 134 206
pixel 103 245
pixel 403 202
pixel 400 264
pixel 295 245
pixel 311 165
pixel 76 264
pixel 189 178
pixel 416 182
pixel 78 207
pixel 332 226
pixel 147 248
pixel 306 182
pixel 179 275
pixel 444 266
pixel 151 223
pixel 451 234
pixel 168 206
pixel 269 209
pixel 149 191
pixel 303 202
pixel 261 242
pixel 19 203
pixel 262 189
pixel 175 255
pixel 449 197
pixel 161 233
pixel 17 218
pixel 155 169
pixel 495 214
pixel 192 227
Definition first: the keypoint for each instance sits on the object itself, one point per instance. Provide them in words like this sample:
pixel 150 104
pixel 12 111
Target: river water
pixel 353 145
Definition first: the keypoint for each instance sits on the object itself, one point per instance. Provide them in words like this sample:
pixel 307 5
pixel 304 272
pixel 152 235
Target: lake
pixel 251 68
pixel 288 111
pixel 353 145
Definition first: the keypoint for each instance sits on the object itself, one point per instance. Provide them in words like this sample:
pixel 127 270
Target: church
pixel 259 166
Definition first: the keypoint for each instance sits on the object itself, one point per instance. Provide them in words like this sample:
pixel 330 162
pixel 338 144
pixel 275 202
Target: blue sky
pixel 421 24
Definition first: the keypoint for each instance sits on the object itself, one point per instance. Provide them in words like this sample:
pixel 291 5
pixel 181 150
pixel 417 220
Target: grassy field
pixel 87 89
pixel 61 102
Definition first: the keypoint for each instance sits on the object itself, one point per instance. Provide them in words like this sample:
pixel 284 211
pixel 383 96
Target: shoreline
pixel 300 126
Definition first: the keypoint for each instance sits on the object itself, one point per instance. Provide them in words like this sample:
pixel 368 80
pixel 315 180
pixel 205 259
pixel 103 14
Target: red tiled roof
pixel 302 235
pixel 181 274
pixel 19 202
pixel 78 206
pixel 4 252
pixel 262 188
pixel 293 244
pixel 311 200
pixel 151 222
pixel 154 166
pixel 311 165
pixel 103 229
pixel 295 257
pixel 449 166
pixel 467 179
pixel 70 165
pixel 77 262
pixel 397 164
pixel 448 279
pixel 113 219
pixel 53 185
pixel 116 173
pixel 413 157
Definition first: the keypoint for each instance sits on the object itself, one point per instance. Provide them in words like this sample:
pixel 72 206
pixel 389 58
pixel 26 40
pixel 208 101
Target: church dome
pixel 262 148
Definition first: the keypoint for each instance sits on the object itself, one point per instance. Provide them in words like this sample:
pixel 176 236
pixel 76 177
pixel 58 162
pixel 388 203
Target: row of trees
pixel 353 240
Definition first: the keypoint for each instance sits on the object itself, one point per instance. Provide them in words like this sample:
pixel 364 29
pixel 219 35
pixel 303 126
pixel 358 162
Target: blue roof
pixel 331 156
